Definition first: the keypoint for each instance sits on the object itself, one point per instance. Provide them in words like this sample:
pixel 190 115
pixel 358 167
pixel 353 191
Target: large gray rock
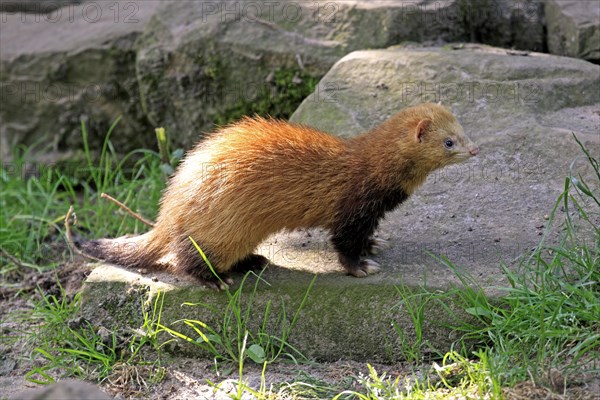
pixel 75 62
pixel 574 28
pixel 510 24
pixel 201 63
pixel 69 389
pixel 35 6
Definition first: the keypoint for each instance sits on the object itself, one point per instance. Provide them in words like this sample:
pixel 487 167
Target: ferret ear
pixel 422 128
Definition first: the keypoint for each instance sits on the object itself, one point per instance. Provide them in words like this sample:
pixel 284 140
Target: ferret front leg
pixel 350 238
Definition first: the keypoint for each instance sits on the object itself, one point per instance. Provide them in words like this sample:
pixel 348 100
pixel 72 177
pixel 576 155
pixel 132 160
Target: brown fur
pixel 257 177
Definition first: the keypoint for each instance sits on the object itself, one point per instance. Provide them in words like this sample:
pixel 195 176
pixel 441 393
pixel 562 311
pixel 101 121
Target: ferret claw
pixel 215 283
pixel 370 266
pixel 379 243
pixel 374 246
pixel 365 268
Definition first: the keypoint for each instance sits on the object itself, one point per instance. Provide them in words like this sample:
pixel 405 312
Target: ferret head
pixel 438 138
pixel 415 142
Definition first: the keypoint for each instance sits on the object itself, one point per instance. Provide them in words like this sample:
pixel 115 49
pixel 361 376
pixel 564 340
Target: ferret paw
pixel 370 266
pixel 364 268
pixel 211 281
pixel 374 246
pixel 226 280
pixel 215 283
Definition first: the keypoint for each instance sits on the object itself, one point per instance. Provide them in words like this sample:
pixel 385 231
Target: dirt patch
pixel 531 391
pixel 187 378
pixel 190 378
pixel 18 294
pixel 71 276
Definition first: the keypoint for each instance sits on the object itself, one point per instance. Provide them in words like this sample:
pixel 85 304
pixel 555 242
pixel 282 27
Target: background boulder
pixel 77 62
pixel 574 28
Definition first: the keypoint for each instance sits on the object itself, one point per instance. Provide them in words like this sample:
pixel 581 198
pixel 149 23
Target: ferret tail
pixel 127 251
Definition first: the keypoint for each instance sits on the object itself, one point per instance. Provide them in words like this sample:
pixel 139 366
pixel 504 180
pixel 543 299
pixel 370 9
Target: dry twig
pixel 127 209
pixel 12 258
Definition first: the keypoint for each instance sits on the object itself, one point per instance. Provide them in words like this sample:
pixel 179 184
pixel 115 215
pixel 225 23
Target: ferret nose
pixel 474 150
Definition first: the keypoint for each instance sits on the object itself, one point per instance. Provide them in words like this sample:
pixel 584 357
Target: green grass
pixel 33 204
pixel 33 207
pixel 549 316
pixel 457 378
pixel 306 386
pixel 415 303
pixel 232 340
pixel 67 345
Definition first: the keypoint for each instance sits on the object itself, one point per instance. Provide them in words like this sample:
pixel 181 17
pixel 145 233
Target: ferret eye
pixel 448 143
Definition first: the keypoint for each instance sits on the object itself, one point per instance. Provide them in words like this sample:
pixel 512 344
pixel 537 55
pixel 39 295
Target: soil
pixel 187 378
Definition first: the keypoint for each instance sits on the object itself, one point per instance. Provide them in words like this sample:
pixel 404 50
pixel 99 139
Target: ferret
pixel 260 176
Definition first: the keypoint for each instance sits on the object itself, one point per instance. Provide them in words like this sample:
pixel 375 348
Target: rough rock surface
pixel 76 62
pixel 574 28
pixel 36 6
pixel 521 110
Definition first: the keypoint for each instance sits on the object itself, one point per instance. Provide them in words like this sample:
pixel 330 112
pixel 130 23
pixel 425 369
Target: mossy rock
pixel 341 317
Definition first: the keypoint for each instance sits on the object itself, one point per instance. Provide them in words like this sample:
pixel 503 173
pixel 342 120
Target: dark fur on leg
pixel 252 262
pixel 190 261
pixel 349 239
pixel 355 223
